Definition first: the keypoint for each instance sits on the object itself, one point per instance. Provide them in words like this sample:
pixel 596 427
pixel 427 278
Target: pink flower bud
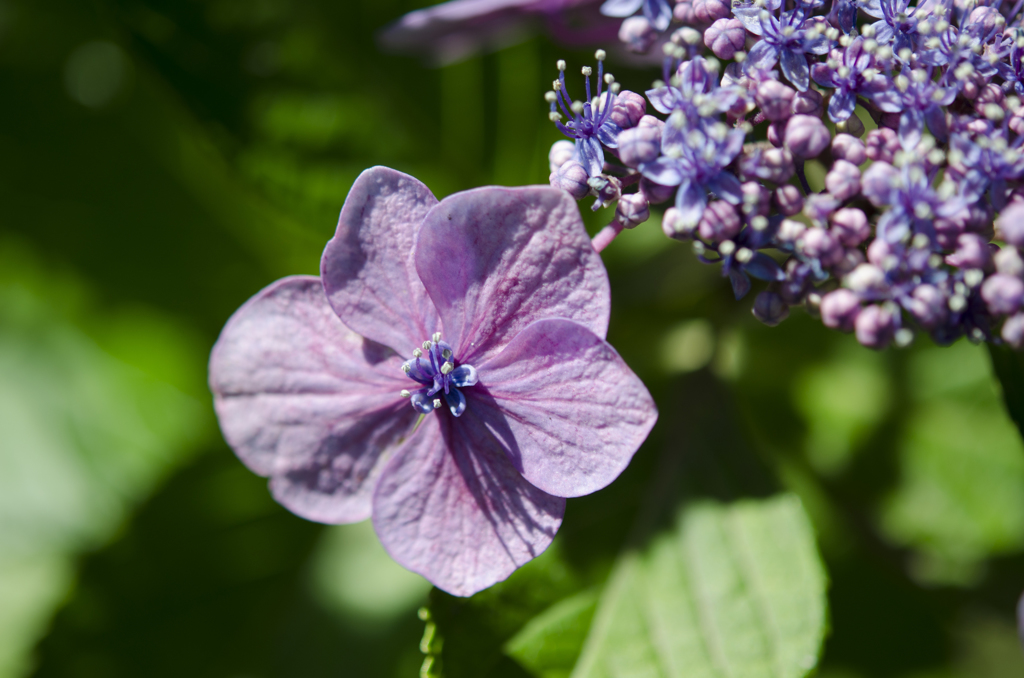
pixel 843 180
pixel 775 100
pixel 1013 330
pixel 839 309
pixel 788 200
pixel 571 177
pixel 928 305
pixel 628 109
pixel 876 326
pixel 882 144
pixel 777 134
pixel 655 193
pixel 725 37
pixel 672 225
pixel 638 34
pixel 719 222
pixel 808 103
pixel 1002 293
pixel 817 243
pixel 972 251
pixel 632 210
pixel 850 226
pixel 878 181
pixel 561 152
pixel 683 13
pixel 806 136
pixel 707 11
pixel 770 308
pixel 639 145
pixel 1011 224
pixel 756 199
pixel 849 148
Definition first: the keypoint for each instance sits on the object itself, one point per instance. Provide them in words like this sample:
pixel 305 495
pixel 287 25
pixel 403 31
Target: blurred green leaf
pixel 550 643
pixel 1008 366
pixel 731 590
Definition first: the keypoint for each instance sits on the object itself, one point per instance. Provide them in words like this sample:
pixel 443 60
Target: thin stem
pixel 605 236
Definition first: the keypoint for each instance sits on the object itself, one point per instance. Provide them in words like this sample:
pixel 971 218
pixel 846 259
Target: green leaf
pixel 1008 366
pixel 732 589
pixel 550 643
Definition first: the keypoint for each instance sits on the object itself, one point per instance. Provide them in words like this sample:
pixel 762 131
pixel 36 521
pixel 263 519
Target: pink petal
pixel 568 410
pixel 451 507
pixel 495 260
pixel 367 267
pixel 303 399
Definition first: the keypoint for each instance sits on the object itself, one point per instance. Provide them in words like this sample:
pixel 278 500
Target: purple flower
pixel 923 101
pixel 491 306
pixel 914 204
pixel 698 166
pixel 695 93
pixel 853 74
pixel 785 40
pixel 898 21
pixel 589 124
pixel 658 12
pixel 989 162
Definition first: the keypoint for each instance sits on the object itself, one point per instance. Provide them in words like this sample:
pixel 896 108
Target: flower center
pixel 434 367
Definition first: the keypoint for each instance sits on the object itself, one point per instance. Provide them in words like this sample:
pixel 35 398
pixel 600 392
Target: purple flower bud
pixel 852 126
pixel 725 37
pixel 839 309
pixel 818 207
pixel 571 177
pixel 629 107
pixel 948 230
pixel 632 210
pixel 850 226
pixel 881 253
pixel 775 100
pixel 561 152
pixel 683 13
pixel 651 121
pixel 806 136
pixel 656 193
pixel 638 34
pixel 877 182
pixel 849 148
pixel 607 188
pixel 928 305
pixel 720 222
pixel 1009 261
pixel 1003 293
pixel 790 231
pixel 1013 334
pixel 866 279
pixel 777 134
pixel 843 180
pixel 639 145
pixel 808 103
pixel 852 258
pixel 788 200
pixel 770 308
pixel 1011 224
pixel 1017 127
pixel 882 144
pixel 972 251
pixel 707 11
pixel 772 164
pixel 672 225
pixel 756 199
pixel 876 326
pixel 817 243
pixel 989 18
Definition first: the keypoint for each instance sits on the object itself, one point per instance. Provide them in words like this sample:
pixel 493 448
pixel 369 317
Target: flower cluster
pixel 862 158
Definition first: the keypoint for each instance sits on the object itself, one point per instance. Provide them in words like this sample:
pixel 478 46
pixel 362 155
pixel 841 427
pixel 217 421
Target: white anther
pixel 615 87
pixel 974 277
pixel 437 403
pixel 560 64
pixel 609 78
pixel 555 116
pixel 427 345
pixel 865 277
pixel 698 248
pixel 447 368
pixel 577 107
pixel 404 393
pixel 904 337
pixel 743 255
pixel 994 112
pixel 957 303
pixel 600 55
pixel 437 337
pixel 550 97
pixel 417 353
pixel 726 248
pixel 406 368
pixel 446 354
pixel 920 241
pixel 759 223
pixel 587 71
pixel 556 85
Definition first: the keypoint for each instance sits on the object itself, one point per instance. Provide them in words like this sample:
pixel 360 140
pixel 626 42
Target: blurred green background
pixel 162 160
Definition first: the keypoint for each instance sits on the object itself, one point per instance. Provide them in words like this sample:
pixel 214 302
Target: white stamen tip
pixel 586 71
pixel 446 354
pixel 417 353
pixel 600 55
pixel 405 394
pixel 437 337
pixel 560 64
pixel 427 345
pixel 406 368
pixel 447 368
pixel 437 403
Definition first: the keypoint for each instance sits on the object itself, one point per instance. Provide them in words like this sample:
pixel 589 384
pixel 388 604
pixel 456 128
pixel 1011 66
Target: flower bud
pixel 839 309
pixel 850 226
pixel 638 34
pixel 560 153
pixel 876 326
pixel 806 136
pixel 928 305
pixel 1003 293
pixel 572 178
pixel 632 210
pixel 866 278
pixel 777 134
pixel 773 164
pixel 972 251
pixel 809 103
pixel 756 199
pixel 790 231
pixel 1013 330
pixel 651 121
pixel 817 243
pixel 719 222
pixel 843 180
pixel 882 145
pixel 629 107
pixel 655 193
pixel 881 253
pixel 1009 261
pixel 707 11
pixel 852 258
pixel 639 145
pixel 1011 224
pixel 683 13
pixel 725 37
pixel 770 308
pixel 852 126
pixel 607 188
pixel 775 100
pixel 818 207
pixel 788 200
pixel 850 149
pixel 878 181
pixel 672 225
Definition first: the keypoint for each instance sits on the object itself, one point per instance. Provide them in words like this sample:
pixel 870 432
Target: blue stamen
pixel 437 372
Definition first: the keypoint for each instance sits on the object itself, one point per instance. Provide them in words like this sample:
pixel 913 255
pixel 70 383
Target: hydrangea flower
pixel 658 12
pixel 487 311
